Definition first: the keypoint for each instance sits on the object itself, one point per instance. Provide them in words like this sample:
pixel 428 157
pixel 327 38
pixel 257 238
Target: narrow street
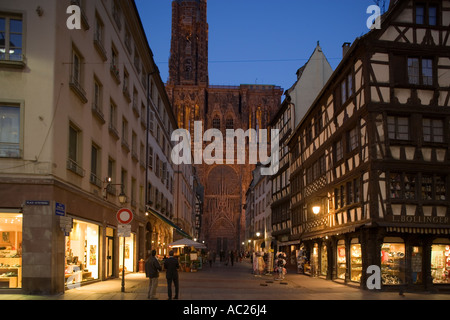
pixel 229 283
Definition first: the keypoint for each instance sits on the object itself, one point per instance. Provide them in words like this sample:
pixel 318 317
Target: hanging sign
pixel 124 230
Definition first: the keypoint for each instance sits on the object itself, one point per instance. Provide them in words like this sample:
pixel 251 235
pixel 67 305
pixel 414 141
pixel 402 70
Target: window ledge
pixel 113 132
pixel 20 64
pixel 78 90
pixel 97 112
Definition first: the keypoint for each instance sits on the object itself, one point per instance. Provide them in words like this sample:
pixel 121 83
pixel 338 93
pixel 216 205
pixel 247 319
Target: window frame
pixel 426 13
pixel 338 145
pixel 403 192
pixel 421 68
pixel 433 128
pixel 353 140
pixel 434 184
pixel 6 59
pixel 74 155
pixel 396 132
pixel 20 144
pixel 216 123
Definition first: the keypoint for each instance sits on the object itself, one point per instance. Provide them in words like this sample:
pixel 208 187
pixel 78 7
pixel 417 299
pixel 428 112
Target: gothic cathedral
pixel 219 107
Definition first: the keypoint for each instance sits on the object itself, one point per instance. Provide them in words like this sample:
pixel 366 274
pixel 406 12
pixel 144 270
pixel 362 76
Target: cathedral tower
pixel 219 107
pixel 188 63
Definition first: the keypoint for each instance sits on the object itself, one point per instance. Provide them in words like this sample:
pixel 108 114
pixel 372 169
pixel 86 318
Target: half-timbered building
pixel 370 161
pixel 311 78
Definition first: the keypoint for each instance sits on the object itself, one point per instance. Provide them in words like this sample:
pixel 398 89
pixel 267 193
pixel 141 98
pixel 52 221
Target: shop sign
pixel 66 224
pixel 124 230
pixel 420 219
pixel 60 209
pixel 37 203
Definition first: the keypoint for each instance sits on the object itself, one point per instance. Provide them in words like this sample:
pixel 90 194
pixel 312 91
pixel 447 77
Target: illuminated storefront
pixel 440 261
pixel 393 262
pixel 82 253
pixel 355 261
pixel 10 250
pixel 323 260
pixel 129 251
pixel 341 260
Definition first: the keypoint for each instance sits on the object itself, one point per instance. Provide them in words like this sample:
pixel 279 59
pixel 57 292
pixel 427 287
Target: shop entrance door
pixel 109 257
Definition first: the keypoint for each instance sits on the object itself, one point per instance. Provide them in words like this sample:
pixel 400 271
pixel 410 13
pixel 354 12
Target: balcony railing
pixel 115 72
pixel 113 131
pixel 98 113
pixel 100 48
pixel 95 180
pixel 75 168
pixel 75 85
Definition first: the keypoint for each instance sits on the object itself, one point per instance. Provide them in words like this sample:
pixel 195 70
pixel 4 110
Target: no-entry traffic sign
pixel 124 216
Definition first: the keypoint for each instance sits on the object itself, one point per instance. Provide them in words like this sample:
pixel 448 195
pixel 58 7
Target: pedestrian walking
pixel 227 257
pixel 171 265
pixel 232 258
pixel 152 269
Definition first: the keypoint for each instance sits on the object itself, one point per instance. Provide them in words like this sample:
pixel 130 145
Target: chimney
pixel 345 48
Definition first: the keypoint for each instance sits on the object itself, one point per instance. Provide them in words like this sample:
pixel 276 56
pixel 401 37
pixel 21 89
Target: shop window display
pixel 82 253
pixel 323 260
pixel 355 262
pixel 440 263
pixel 10 250
pixel 129 253
pixel 393 263
pixel 315 260
pixel 341 260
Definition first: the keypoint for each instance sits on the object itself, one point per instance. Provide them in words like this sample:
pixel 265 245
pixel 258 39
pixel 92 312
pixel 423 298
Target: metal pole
pixel 123 266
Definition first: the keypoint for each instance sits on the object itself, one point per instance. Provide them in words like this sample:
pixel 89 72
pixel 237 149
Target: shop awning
pixel 170 223
pixel 187 243
pixel 333 232
pixel 419 230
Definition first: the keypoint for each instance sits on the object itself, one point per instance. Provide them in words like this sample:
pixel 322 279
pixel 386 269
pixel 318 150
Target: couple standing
pixel 152 269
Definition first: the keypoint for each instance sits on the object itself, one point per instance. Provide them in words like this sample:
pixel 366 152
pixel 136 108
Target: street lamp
pixel 316 210
pixel 122 195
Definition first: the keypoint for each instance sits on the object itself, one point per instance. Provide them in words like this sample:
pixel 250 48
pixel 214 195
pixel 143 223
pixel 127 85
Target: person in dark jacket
pixel 152 269
pixel 171 265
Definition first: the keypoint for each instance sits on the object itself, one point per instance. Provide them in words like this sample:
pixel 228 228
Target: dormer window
pixel 427 14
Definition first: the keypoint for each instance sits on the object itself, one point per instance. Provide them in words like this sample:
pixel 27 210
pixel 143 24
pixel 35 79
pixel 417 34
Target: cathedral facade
pixel 219 107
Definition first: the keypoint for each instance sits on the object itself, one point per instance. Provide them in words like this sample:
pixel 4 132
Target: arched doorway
pixel 222 208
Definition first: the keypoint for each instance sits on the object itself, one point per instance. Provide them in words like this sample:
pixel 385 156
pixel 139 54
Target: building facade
pixel 216 107
pixel 85 122
pixel 310 80
pixel 369 162
pixel 257 212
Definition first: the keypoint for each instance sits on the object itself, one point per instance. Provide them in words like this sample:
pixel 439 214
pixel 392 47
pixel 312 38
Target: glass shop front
pixel 10 250
pixel 129 251
pixel 440 261
pixel 393 262
pixel 82 253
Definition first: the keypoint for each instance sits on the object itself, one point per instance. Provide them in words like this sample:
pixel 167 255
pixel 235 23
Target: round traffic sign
pixel 124 216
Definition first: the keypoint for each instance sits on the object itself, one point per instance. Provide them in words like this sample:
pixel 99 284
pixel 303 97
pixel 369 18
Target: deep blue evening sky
pixel 262 41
